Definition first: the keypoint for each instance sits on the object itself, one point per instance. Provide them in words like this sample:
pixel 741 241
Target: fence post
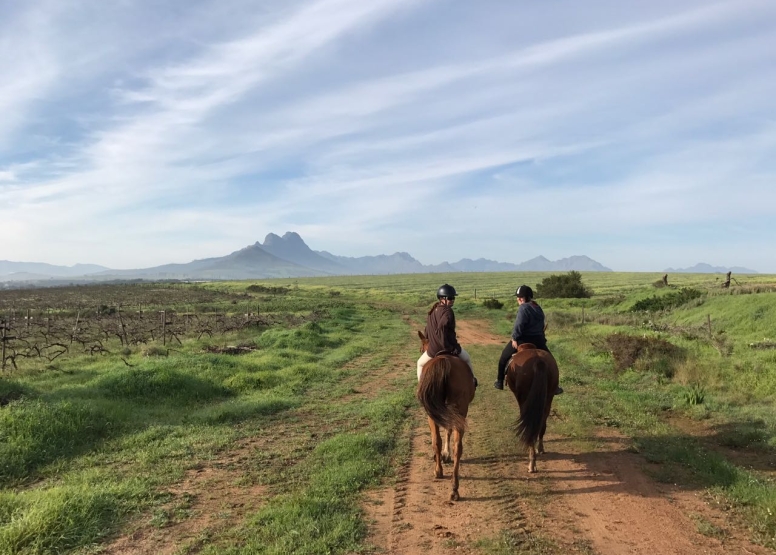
pixel 123 329
pixel 708 321
pixel 3 340
pixel 583 314
pixel 475 294
pixel 164 327
pixel 75 327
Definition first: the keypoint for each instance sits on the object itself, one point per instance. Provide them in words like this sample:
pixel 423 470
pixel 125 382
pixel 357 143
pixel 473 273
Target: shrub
pixel 255 288
pixel 642 353
pixel 568 286
pixel 492 303
pixel 664 302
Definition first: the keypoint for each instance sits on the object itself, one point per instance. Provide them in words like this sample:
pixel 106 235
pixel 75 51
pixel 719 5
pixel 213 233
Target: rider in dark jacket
pixel 440 330
pixel 528 328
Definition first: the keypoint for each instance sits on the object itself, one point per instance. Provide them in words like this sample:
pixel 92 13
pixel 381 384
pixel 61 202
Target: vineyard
pixel 49 323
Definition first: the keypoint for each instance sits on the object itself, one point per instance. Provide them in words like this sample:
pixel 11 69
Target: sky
pixel 135 133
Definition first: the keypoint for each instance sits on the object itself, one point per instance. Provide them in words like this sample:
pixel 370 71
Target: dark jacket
pixel 440 331
pixel 529 323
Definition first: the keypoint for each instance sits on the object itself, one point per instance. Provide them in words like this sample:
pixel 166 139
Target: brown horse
pixel 445 389
pixel 532 375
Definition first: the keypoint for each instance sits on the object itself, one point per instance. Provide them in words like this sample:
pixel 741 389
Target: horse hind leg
pixel 458 446
pixel 446 456
pixel 531 459
pixel 540 444
pixel 436 441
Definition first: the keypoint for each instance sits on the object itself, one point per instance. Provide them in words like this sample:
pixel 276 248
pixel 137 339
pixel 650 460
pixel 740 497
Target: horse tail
pixel 432 394
pixel 529 426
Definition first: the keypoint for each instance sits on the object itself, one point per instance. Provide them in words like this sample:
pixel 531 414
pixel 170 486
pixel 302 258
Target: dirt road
pixel 579 502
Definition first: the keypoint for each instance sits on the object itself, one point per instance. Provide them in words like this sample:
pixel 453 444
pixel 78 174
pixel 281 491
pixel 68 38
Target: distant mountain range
pixel 286 256
pixel 703 268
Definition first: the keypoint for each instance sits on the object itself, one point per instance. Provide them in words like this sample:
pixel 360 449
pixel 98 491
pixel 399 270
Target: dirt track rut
pixel 598 502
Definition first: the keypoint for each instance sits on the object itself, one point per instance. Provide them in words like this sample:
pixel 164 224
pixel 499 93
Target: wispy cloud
pixel 351 121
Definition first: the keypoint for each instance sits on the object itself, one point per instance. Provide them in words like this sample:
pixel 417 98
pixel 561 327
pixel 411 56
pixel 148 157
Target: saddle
pixel 520 348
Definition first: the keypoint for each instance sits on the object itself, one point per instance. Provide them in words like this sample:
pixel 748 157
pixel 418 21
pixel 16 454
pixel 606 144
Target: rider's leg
pixel 506 354
pixel 424 358
pixel 464 356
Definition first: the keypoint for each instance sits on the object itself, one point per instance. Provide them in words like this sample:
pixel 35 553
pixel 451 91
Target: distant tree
pixel 568 286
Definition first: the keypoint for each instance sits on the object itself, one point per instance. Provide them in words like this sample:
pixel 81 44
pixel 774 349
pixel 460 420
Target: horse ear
pixel 422 337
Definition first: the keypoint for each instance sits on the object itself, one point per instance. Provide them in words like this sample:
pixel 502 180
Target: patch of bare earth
pixel 207 500
pixel 606 497
pixel 599 502
pixel 414 515
pixel 476 332
pixel 219 494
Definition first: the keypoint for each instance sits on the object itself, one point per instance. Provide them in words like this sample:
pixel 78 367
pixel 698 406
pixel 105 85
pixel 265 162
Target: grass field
pixel 92 446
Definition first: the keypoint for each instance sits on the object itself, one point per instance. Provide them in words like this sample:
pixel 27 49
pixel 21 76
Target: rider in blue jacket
pixel 528 328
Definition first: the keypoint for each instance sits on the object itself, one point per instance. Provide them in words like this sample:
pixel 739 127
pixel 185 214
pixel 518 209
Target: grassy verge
pixel 90 442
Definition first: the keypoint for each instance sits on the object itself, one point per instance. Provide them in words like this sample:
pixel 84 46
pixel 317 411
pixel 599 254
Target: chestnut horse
pixel 532 375
pixel 445 389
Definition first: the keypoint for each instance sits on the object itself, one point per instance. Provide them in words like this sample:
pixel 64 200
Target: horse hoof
pixel 439 475
pixel 454 496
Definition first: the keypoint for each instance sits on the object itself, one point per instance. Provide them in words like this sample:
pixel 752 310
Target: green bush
pixel 492 303
pixel 568 286
pixel 664 302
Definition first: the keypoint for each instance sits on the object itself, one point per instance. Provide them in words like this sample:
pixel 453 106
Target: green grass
pixel 88 442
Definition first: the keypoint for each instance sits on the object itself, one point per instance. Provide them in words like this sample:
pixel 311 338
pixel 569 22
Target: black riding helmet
pixel 525 292
pixel 446 292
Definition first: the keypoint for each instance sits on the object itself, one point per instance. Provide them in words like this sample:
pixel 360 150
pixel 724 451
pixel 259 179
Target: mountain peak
pixel 292 236
pixel 271 239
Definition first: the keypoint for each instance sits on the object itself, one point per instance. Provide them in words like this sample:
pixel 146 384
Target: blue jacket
pixel 529 322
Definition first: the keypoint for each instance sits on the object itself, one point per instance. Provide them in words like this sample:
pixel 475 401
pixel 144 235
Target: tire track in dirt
pixel 214 496
pixel 606 496
pixel 414 515
pixel 582 502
